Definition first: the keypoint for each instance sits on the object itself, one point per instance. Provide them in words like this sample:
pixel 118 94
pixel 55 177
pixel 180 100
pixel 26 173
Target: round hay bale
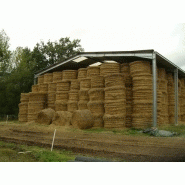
pixel 83 95
pixel 98 121
pixel 114 80
pixel 35 88
pixel 82 73
pixel 43 88
pixel 57 76
pixel 109 68
pixel 72 106
pixel 48 77
pixel 96 94
pixel 75 85
pixel 60 105
pixel 22 117
pixel 37 97
pixel 73 95
pixel 96 107
pixel 62 118
pixel 45 116
pixel 82 105
pixel 24 97
pixel 115 93
pixel 93 70
pixel 23 108
pixel 41 79
pixel 63 85
pixel 85 84
pixel 97 81
pixel 62 95
pixel 52 87
pixel 114 121
pixel 69 74
pixel 140 67
pixel 82 119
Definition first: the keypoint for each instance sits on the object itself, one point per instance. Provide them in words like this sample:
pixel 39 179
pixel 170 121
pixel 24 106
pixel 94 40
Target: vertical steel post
pixel 35 80
pixel 176 95
pixel 154 74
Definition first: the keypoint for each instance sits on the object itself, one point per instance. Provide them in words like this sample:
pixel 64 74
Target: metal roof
pixel 118 56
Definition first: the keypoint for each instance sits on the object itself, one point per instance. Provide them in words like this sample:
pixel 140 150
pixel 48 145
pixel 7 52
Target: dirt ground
pixel 106 144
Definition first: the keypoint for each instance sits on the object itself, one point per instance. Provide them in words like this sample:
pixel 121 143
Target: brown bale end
pixel 45 116
pixel 62 118
pixel 82 119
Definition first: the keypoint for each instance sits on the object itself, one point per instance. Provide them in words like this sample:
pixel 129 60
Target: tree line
pixel 17 67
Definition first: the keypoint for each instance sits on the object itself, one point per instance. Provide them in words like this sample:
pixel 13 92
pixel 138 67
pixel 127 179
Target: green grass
pixel 9 152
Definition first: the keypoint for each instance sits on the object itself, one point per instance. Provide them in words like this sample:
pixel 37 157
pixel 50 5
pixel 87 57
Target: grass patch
pixel 9 152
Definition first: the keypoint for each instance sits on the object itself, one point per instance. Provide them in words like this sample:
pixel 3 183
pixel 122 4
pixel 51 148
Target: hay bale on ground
pixel 82 119
pixel 45 116
pixel 62 118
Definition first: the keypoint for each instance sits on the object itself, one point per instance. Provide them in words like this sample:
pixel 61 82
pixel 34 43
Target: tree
pixel 53 52
pixel 5 53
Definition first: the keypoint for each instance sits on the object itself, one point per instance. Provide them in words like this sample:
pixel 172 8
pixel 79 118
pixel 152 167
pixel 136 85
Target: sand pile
pixel 82 119
pixel 62 118
pixel 45 116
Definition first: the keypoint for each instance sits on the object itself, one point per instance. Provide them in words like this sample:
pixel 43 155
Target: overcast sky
pixel 101 25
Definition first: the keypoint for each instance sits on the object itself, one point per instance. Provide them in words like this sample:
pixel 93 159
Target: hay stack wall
pixel 118 95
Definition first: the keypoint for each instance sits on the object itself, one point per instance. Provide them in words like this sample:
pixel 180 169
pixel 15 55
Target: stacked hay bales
pixel 93 71
pixel 51 96
pixel 125 70
pixel 37 102
pixel 109 68
pixel 41 79
pixel 171 98
pixel 182 102
pixel 57 76
pixel 69 74
pixel 115 101
pixel 162 97
pixel 23 107
pixel 85 85
pixel 142 94
pixel 62 95
pixel 96 97
pixel 35 88
pixel 82 73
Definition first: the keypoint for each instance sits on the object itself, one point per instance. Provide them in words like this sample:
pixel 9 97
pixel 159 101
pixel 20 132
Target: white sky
pixel 101 25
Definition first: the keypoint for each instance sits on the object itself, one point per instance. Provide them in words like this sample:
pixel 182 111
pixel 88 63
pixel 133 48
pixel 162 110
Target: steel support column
pixel 154 75
pixel 35 80
pixel 176 95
